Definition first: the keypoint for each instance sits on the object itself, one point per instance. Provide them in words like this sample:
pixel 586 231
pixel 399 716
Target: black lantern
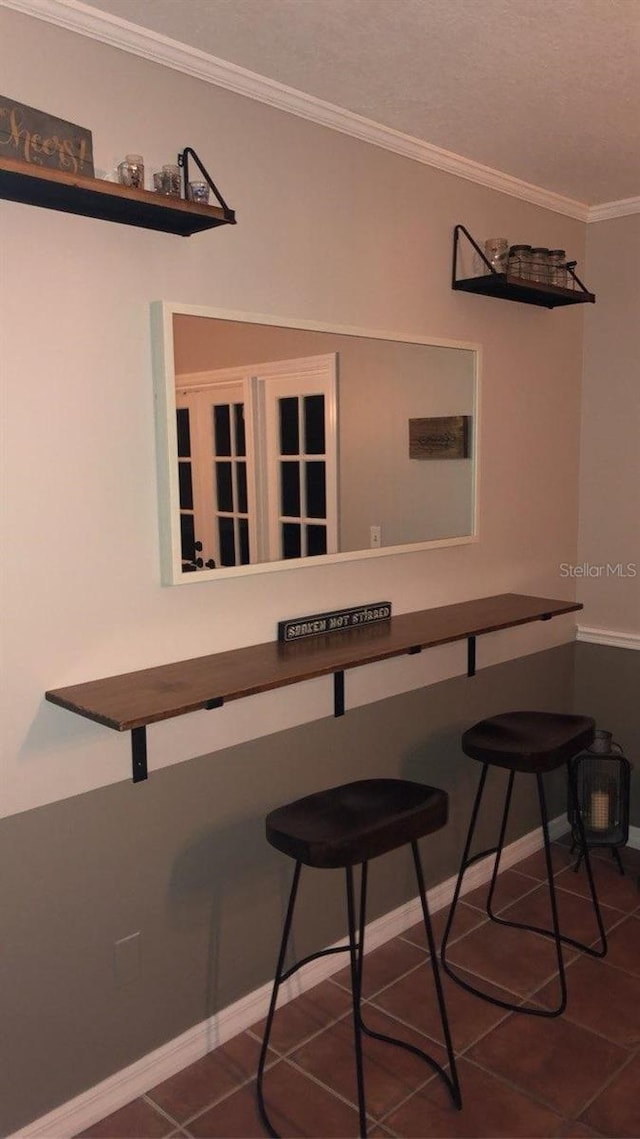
pixel 601 777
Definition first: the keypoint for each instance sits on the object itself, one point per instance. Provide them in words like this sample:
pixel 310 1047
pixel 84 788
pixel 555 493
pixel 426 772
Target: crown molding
pixel 621 209
pixel 87 21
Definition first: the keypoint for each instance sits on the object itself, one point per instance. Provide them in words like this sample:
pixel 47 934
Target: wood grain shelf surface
pixel 109 201
pixel 135 699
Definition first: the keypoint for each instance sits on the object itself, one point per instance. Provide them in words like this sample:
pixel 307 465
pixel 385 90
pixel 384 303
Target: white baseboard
pixel 612 637
pixel 116 1091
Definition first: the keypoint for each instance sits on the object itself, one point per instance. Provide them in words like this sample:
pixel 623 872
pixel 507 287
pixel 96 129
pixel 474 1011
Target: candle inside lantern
pixel 599 810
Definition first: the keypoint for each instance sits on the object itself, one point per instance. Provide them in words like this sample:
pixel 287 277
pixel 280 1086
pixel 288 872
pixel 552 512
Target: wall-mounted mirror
pixel 285 443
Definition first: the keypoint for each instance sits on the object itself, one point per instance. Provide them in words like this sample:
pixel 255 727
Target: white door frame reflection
pixel 258 462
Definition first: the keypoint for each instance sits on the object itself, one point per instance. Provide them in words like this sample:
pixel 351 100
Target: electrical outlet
pixel 375 537
pixel 126 959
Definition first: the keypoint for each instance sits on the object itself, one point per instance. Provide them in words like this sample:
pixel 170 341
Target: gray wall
pixel 182 859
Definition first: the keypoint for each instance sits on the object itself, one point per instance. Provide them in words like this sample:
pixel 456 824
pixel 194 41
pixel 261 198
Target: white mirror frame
pixel 163 358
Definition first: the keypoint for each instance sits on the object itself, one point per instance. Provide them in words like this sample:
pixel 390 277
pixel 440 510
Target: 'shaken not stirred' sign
pixel 319 623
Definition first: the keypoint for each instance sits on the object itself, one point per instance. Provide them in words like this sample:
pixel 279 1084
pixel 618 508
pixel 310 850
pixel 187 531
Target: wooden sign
pixel 318 623
pixel 42 140
pixel 441 437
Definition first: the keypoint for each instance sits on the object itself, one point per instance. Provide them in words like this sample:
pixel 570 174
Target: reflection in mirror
pixel 282 445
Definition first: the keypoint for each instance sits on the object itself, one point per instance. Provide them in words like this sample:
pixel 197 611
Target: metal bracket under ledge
pixel 471 656
pixel 139 754
pixel 338 693
pixel 139 745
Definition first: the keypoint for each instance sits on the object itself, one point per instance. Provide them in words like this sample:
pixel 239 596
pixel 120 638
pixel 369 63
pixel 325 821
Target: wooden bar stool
pixel 532 743
pixel 344 827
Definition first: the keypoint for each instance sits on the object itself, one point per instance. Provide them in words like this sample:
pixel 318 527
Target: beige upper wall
pixel 329 229
pixel 609 544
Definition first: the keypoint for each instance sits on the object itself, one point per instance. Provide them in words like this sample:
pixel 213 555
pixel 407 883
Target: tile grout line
pixel 629 1060
pixel 522 1091
pixel 161 1111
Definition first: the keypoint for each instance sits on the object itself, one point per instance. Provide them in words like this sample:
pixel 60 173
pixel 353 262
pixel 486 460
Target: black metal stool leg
pixel 500 846
pixel 453 1082
pixel 355 956
pixel 555 921
pixel 465 862
pixel 279 976
pixel 584 853
pixel 554 933
pixel 355 948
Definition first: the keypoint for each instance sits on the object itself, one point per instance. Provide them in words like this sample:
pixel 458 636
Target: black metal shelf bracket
pixel 471 656
pixel 183 161
pixel 338 693
pixel 139 753
pixel 456 238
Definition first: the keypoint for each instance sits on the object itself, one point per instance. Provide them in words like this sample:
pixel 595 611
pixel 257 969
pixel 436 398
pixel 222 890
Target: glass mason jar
pixel 520 261
pixel 496 251
pixel 131 171
pixel 167 181
pixel 198 192
pixel 558 268
pixel 540 265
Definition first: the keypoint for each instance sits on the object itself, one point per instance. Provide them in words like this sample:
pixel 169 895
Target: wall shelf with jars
pixel 125 202
pixel 532 276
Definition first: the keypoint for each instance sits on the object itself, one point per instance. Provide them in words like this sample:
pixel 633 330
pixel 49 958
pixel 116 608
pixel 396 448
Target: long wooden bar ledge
pixel 131 701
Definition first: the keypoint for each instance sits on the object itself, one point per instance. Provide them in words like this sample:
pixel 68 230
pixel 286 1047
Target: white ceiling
pixel 547 91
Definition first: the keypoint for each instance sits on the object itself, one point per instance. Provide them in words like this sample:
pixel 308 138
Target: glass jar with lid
pixel 540 264
pixel 520 261
pixel 558 268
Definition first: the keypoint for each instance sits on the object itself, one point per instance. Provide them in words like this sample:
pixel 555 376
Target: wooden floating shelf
pixel 508 288
pixel 131 701
pixel 109 201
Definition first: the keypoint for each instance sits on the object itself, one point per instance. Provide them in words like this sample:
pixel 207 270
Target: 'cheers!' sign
pixel 43 140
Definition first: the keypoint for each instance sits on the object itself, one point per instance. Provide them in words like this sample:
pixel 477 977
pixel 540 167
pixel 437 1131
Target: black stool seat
pixel 528 741
pixel 346 825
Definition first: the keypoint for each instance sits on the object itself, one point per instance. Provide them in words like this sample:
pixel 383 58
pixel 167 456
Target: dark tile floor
pixel 577 1075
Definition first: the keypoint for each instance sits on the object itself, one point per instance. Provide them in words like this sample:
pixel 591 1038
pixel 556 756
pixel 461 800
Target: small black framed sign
pixel 316 624
pixel 440 437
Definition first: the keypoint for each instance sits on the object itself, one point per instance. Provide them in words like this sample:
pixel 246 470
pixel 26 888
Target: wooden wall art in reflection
pixel 440 437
